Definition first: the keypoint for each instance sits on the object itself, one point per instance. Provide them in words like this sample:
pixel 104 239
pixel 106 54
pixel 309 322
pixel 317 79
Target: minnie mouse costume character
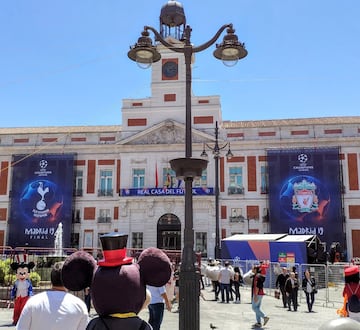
pixel 118 284
pixel 22 289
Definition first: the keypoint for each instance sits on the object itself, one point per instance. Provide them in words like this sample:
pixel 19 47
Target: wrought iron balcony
pixel 236 190
pixel 104 219
pixel 105 192
pixel 238 218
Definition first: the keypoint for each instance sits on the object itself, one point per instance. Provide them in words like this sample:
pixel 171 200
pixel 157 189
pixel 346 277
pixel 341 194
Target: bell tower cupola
pixel 172 20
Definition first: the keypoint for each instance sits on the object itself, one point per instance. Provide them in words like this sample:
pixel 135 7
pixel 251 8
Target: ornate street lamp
pixel 216 149
pixel 145 53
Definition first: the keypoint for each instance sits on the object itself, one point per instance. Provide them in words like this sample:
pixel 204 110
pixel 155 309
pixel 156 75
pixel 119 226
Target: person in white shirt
pixel 157 304
pixel 225 276
pixel 54 309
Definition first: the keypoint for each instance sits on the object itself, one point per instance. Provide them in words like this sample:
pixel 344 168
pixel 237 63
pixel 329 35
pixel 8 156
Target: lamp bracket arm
pixel 208 146
pixel 216 146
pixel 159 38
pixel 223 146
pixel 212 40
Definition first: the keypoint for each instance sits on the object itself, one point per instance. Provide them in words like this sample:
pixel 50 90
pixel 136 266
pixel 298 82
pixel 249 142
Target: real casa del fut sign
pixel 198 191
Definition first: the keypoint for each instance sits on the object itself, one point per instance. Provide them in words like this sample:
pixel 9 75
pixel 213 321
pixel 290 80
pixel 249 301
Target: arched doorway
pixel 169 232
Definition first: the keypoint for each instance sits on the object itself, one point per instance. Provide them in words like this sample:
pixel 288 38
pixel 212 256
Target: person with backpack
pixel 351 292
pixel 309 287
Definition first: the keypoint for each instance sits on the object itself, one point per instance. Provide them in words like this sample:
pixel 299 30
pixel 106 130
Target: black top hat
pixel 114 250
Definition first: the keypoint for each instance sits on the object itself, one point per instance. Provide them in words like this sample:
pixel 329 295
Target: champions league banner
pixel 304 193
pixel 41 201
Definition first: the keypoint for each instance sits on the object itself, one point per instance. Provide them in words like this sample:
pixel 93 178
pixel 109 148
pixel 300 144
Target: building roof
pixel 254 237
pixel 291 122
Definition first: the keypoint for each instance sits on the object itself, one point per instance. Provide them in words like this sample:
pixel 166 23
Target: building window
pixel 201 243
pixel 98 240
pixel 264 180
pixel 138 178
pixel 202 181
pixel 104 216
pixel 235 180
pixel 236 215
pixel 170 180
pixel 137 240
pixel 88 238
pixel 106 183
pixel 78 185
pixel 76 216
pixel 75 239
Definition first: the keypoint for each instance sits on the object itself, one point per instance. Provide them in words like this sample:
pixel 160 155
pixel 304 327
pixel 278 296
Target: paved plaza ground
pixel 237 316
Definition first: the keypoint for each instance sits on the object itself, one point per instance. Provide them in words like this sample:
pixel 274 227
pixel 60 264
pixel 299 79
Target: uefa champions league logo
pixel 43 163
pixel 302 158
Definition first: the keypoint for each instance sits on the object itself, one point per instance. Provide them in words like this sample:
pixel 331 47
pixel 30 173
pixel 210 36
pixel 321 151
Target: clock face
pixel 170 69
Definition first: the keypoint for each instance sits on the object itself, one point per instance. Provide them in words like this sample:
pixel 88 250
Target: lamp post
pixel 145 53
pixel 216 149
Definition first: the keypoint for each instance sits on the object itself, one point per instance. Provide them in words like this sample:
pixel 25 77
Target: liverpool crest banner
pixel 305 193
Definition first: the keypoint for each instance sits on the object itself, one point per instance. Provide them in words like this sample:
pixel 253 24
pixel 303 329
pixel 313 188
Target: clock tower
pixel 168 83
pixel 168 74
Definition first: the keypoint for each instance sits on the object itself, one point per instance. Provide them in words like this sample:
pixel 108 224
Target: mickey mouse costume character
pixel 118 284
pixel 22 289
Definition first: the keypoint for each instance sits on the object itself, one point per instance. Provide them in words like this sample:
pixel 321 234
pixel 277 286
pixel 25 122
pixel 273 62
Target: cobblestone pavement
pixel 236 316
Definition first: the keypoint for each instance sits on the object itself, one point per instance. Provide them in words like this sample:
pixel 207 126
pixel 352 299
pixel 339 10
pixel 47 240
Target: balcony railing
pixel 104 219
pixel 78 192
pixel 236 190
pixel 105 192
pixel 238 218
pixel 76 220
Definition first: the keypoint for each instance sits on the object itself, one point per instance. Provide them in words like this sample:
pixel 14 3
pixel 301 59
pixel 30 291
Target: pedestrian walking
pixel 291 288
pixel 225 276
pixel 309 287
pixel 280 284
pixel 236 283
pixel 257 294
pixel 87 298
pixel 212 272
pixel 157 305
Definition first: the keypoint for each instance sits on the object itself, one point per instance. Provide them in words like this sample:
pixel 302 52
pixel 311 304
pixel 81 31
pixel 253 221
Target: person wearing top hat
pixel 118 283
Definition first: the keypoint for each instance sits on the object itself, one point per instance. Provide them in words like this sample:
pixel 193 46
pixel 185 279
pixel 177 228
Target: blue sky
pixel 65 62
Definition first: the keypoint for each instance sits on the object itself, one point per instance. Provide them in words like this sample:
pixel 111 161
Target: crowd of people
pixel 289 284
pixel 57 308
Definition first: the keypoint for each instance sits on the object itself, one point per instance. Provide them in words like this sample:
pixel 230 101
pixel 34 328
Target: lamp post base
pixel 189 292
pixel 217 252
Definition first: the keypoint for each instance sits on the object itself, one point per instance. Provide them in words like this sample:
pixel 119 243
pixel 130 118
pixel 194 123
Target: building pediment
pixel 166 132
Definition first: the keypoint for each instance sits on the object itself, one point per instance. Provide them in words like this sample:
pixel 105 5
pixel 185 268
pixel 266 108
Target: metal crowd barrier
pixel 329 279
